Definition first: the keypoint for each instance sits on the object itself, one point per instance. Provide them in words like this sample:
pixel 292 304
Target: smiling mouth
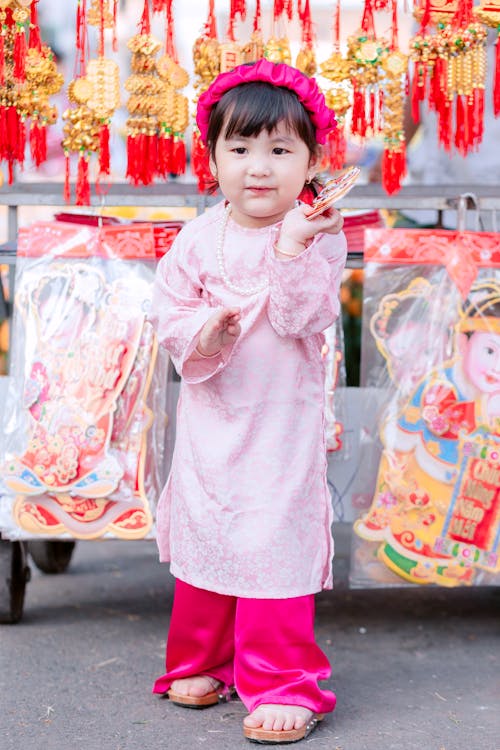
pixel 492 379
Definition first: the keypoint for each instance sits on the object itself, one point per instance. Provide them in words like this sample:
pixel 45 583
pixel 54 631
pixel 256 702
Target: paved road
pixel 412 669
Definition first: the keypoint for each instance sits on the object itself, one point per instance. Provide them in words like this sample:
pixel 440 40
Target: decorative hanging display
pixel 365 53
pixel 277 48
pixel 95 91
pixel 337 70
pixel 42 80
pixel 488 12
pixel 206 58
pixel 450 71
pixel 174 109
pixel 28 77
pixel 306 58
pixel 394 69
pixel 144 104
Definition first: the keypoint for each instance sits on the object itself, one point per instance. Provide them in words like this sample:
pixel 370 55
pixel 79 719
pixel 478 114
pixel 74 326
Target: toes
pixel 254 719
pixel 278 718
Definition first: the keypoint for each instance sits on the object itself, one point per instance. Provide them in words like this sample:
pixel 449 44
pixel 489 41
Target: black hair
pixel 255 106
pixel 490 310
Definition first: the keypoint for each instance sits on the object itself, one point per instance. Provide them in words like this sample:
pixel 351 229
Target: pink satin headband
pixel 278 74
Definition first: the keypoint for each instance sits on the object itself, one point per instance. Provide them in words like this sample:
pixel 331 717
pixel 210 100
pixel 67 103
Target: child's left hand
pixel 297 230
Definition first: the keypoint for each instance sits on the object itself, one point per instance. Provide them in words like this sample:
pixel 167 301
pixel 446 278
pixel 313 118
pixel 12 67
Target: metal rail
pixel 185 194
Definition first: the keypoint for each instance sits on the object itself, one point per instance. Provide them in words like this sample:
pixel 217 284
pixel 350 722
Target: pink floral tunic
pixel 246 510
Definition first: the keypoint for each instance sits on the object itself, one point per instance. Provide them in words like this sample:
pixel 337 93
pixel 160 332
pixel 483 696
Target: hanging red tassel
pixel 393 169
pixel 38 142
pixel 478 117
pixel 20 50
pixel 417 90
pixel 104 158
pixel 496 86
pixel 12 130
pixel 149 159
pixel 336 148
pixel 164 163
pixel 179 155
pixel 200 164
pixel 67 187
pixel 2 59
pixel 461 135
pixel 21 140
pixel 132 146
pixel 3 133
pixel 359 124
pixel 82 182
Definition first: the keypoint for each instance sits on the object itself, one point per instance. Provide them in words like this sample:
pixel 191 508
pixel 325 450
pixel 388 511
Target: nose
pixel 259 167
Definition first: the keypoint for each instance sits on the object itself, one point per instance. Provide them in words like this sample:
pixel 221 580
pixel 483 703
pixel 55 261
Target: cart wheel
pixel 51 557
pixel 14 574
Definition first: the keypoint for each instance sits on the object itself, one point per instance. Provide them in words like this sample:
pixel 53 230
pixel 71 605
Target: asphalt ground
pixel 413 669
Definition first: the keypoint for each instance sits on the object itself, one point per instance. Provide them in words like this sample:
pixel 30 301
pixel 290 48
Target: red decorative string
pixel 101 28
pixel 145 22
pixel 67 187
pixel 169 31
pixel 237 7
pixel 115 18
pixel 282 7
pixel 367 22
pixel 81 38
pixel 257 19
pixel 304 13
pixel 336 27
pixel 210 28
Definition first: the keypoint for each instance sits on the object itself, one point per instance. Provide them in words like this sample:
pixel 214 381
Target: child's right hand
pixel 221 329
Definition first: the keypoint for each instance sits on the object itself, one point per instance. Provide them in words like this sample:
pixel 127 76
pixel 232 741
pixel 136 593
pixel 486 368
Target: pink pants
pixel 264 647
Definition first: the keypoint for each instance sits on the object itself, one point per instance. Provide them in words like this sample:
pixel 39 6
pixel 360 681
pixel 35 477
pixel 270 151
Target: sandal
pixel 219 694
pixel 279 736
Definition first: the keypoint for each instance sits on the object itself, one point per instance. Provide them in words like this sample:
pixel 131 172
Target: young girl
pixel 240 302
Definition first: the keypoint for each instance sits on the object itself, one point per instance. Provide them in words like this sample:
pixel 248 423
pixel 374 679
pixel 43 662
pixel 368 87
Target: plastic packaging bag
pixel 430 464
pixel 84 425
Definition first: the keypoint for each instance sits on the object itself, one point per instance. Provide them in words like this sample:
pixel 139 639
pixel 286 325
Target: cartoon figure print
pixel 436 508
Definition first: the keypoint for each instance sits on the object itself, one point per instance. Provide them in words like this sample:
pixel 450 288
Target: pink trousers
pixel 264 647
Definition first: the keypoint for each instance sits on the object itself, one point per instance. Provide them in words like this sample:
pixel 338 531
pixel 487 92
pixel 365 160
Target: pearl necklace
pixel 247 291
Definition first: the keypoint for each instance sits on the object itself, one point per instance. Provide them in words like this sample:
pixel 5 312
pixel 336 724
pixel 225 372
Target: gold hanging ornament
pixel 173 115
pixel 277 47
pixel 365 53
pixel 394 66
pixel 337 70
pixel 28 77
pixel 143 104
pixel 206 58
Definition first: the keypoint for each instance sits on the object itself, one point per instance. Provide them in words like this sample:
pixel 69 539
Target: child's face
pixel 261 176
pixel 481 360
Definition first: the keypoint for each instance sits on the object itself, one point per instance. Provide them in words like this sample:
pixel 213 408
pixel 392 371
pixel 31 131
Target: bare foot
pixel 273 716
pixel 196 686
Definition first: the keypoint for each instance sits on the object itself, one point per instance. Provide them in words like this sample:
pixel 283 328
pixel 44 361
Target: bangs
pixel 250 108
